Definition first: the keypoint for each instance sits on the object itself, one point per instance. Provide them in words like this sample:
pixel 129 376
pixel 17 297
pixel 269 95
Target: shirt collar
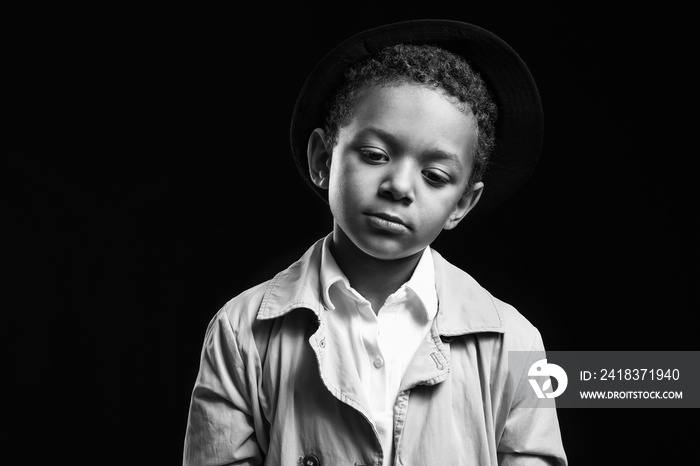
pixel 330 272
pixel 464 306
pixel 422 282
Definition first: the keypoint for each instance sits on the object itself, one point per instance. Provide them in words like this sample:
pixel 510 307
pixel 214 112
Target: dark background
pixel 149 180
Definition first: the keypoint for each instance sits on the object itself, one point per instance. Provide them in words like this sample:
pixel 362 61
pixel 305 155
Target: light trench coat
pixel 271 392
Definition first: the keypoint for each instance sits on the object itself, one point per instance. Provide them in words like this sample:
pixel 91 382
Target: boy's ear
pixel 319 158
pixel 466 203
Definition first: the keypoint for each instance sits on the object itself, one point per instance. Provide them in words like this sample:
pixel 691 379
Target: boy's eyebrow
pixel 444 156
pixel 431 154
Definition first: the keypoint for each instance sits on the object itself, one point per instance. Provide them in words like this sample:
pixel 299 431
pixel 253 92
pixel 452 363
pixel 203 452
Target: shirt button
pixel 378 362
pixel 310 460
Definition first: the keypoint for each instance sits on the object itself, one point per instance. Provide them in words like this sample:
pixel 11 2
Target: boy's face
pixel 398 174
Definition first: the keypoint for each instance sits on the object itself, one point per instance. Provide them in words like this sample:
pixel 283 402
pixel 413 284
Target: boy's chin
pixel 376 246
pixel 388 250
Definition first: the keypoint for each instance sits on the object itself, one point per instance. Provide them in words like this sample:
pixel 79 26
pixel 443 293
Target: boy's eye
pixel 373 156
pixel 436 178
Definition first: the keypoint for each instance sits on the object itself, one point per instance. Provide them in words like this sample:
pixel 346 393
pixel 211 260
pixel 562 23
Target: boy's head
pixel 401 128
pixel 399 146
pixel 399 171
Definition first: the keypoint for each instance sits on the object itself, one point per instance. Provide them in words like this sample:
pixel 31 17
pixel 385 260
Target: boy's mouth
pixel 388 222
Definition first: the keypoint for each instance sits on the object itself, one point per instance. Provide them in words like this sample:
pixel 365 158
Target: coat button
pixel 310 460
pixel 378 362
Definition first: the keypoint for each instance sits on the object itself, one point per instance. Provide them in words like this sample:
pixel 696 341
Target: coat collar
pixel 463 305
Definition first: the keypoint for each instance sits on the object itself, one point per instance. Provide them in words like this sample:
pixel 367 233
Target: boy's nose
pixel 398 185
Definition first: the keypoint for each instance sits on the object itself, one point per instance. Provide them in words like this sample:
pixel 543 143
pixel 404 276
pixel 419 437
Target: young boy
pixel 372 349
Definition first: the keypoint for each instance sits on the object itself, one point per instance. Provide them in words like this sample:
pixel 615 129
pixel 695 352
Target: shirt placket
pixel 375 385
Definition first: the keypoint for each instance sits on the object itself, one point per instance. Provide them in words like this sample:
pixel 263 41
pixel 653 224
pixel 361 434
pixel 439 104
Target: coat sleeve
pixel 531 436
pixel 223 414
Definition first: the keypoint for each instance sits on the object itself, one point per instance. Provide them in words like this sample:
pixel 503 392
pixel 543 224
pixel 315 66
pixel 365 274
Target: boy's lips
pixel 387 221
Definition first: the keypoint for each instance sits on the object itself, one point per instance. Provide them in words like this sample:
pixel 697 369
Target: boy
pixel 372 349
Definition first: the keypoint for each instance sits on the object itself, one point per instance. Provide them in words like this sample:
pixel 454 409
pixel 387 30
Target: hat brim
pixel 519 128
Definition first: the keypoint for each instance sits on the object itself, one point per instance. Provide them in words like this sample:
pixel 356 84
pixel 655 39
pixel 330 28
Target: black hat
pixel 518 137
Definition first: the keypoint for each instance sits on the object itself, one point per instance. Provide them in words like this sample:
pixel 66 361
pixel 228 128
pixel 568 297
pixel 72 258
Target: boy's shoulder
pixel 520 333
pixel 295 286
pixel 471 308
pixel 240 312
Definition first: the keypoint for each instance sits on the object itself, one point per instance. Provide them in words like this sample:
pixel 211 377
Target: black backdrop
pixel 149 180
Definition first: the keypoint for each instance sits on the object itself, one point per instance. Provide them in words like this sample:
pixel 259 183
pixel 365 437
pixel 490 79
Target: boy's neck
pixel 375 279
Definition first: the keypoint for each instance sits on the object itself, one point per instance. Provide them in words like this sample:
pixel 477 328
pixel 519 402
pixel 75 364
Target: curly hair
pixel 426 65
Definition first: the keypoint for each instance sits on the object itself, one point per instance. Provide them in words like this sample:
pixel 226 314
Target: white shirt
pixel 383 343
